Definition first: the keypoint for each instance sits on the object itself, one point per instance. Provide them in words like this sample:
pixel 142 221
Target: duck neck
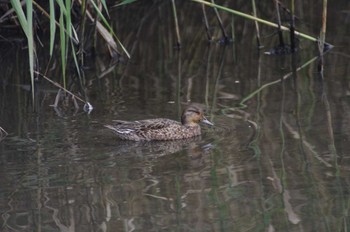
pixel 188 123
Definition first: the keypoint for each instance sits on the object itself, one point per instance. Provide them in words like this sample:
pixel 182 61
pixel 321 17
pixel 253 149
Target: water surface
pixel 277 164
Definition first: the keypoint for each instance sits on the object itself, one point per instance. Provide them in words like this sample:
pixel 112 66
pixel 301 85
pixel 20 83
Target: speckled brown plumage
pixel 162 128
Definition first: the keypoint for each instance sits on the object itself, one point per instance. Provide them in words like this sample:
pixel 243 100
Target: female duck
pixel 162 128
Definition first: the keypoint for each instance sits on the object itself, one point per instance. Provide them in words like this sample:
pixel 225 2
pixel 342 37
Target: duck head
pixel 194 114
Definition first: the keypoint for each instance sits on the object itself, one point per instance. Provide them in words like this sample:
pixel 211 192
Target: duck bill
pixel 206 121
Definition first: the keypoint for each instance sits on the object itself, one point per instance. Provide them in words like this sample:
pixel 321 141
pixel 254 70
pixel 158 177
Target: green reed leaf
pixel 29 6
pixel 52 26
pixel 20 14
pixel 109 27
pixel 63 47
pixel 62 6
pixel 27 27
pixel 68 19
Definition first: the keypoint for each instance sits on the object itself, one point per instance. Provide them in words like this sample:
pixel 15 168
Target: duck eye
pixel 194 111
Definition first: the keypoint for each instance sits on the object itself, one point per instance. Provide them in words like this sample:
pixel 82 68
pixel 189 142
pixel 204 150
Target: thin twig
pixel 60 87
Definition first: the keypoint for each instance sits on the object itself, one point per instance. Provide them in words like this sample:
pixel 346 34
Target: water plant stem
pixel 247 16
pixel 26 22
pixel 256 25
pixel 323 28
pixel 224 34
pixel 206 22
pixel 178 42
pixel 321 44
pixel 292 26
pixel 279 24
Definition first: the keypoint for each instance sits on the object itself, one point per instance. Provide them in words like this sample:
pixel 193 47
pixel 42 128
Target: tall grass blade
pixel 68 18
pixel 29 6
pixel 83 9
pixel 42 10
pixel 66 8
pixel 20 14
pixel 75 59
pixel 27 27
pixel 52 26
pixel 69 30
pixel 109 27
pixel 62 6
pixel 63 47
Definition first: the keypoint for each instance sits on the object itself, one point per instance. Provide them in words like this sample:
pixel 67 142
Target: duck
pixel 162 128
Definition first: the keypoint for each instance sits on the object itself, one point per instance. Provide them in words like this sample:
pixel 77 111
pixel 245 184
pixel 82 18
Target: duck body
pixel 161 128
pixel 153 129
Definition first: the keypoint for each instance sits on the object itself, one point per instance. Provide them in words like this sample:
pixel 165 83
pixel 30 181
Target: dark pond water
pixel 278 164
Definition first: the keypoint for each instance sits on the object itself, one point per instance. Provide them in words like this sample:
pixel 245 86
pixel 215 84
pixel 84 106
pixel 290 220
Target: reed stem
pixel 256 25
pixel 206 22
pixel 292 27
pixel 247 16
pixel 224 34
pixel 280 35
pixel 324 26
pixel 321 44
pixel 178 42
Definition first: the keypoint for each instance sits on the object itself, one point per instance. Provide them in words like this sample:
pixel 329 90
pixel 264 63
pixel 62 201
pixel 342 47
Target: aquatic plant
pixel 70 41
pixel 250 17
